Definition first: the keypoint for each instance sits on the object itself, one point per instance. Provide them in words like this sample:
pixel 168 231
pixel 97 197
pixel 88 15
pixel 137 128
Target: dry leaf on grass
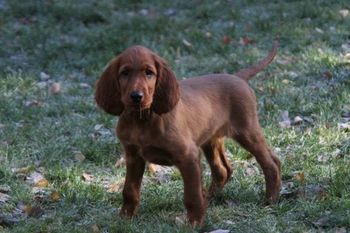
pixel 78 155
pixel 55 196
pixel 299 176
pixel 285 121
pixel 84 85
pixel 219 231
pixel 246 41
pixel 226 39
pixel 37 180
pixel 87 177
pixel 95 229
pixel 116 187
pixel 181 220
pixel 44 76
pixel 120 162
pixel 187 43
pixel 344 13
pixel 33 103
pixel 4 197
pixel 55 88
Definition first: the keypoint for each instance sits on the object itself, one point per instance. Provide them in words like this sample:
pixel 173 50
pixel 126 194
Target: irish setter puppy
pixel 168 122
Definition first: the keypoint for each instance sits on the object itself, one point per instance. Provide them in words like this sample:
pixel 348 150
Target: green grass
pixel 73 40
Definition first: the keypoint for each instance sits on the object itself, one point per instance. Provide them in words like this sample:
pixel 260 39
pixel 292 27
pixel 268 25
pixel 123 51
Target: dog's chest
pixel 142 134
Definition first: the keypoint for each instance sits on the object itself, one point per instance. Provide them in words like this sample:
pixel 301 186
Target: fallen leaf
pixel 35 177
pixel 245 41
pixel 181 220
pixel 44 76
pixel 299 176
pixel 319 30
pixel 219 231
pixel 345 126
pixel 22 170
pixel 152 168
pixel 226 40
pixel 4 188
pixel 33 103
pixel 41 85
pixel 95 229
pixel 55 88
pixel 87 177
pixel 84 85
pixel 322 158
pixel 297 120
pixel 187 43
pixel 42 183
pixel 35 212
pixel 285 81
pixel 313 191
pixel 55 196
pixel 322 222
pixel 327 74
pixel 344 13
pixel 116 187
pixel 340 230
pixel 78 155
pixel 4 197
pixel 121 162
pixel 285 121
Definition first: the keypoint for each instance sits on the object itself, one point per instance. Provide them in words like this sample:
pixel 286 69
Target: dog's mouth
pixel 139 107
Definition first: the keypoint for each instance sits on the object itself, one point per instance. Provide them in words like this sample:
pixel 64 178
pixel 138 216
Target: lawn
pixel 58 151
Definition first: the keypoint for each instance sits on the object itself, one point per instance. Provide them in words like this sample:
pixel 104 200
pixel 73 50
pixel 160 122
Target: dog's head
pixel 136 80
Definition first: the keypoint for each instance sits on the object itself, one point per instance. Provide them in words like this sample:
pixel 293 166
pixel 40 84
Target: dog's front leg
pixel 135 167
pixel 194 195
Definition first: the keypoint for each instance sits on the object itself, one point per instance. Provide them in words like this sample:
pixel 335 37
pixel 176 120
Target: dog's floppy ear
pixel 167 92
pixel 107 94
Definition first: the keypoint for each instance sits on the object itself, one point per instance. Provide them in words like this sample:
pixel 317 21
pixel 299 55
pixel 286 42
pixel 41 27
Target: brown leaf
pixel 22 170
pixel 42 183
pixel 35 212
pixel 226 39
pixel 55 196
pixel 33 103
pixel 121 162
pixel 327 74
pixel 285 81
pixel 87 177
pixel 95 229
pixel 55 88
pixel 299 176
pixel 116 187
pixel 246 41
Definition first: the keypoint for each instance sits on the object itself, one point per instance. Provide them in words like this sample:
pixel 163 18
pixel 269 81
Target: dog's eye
pixel 124 73
pixel 149 73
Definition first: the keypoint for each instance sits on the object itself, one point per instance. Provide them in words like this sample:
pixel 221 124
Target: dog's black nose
pixel 136 96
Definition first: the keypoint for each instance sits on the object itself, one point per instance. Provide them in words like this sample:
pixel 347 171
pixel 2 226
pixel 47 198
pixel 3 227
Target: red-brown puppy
pixel 168 122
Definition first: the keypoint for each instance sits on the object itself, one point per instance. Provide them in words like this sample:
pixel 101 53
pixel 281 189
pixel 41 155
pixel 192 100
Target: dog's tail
pixel 249 72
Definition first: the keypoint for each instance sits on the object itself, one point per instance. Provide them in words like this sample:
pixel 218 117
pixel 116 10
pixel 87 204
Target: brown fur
pixel 176 120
